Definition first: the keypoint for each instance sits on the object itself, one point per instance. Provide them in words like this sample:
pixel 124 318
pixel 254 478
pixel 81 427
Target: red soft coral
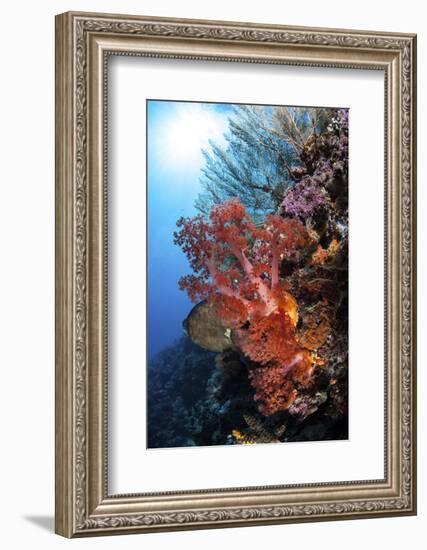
pixel 231 257
pixel 273 392
pixel 271 343
pixel 236 265
pixel 269 340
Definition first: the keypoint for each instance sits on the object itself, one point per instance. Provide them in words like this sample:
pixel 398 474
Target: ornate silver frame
pixel 83 42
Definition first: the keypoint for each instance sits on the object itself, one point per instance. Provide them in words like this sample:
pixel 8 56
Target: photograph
pixel 247 273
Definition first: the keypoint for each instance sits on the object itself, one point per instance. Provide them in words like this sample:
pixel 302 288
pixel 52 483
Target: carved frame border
pixel 83 43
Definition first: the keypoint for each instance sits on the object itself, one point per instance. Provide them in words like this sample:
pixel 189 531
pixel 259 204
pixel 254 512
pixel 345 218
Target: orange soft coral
pixel 284 364
pixel 272 392
pixel 269 340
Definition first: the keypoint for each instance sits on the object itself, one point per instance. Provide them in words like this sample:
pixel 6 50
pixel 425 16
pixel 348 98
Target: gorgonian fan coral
pixel 236 265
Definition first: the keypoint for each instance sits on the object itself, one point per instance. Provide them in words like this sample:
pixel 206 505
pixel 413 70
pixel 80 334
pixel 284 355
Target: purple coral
pixel 305 405
pixel 303 198
pixel 339 127
pixel 325 159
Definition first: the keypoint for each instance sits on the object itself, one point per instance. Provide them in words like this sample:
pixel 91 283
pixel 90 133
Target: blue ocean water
pixel 176 133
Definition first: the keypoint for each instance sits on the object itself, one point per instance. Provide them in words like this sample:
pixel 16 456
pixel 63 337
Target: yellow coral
pixel 321 255
pixel 241 438
pixel 316 360
pixel 289 305
pixel 332 248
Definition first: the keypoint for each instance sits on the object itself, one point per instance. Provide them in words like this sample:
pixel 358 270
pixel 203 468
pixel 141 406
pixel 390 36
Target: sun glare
pixel 190 130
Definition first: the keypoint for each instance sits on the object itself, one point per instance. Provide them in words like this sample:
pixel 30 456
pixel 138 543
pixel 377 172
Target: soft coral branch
pixel 237 266
pixel 231 257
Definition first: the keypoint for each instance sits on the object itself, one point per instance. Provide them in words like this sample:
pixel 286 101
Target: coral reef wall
pixel 265 356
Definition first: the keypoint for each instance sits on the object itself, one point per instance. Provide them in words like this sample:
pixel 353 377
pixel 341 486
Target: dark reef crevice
pixel 200 398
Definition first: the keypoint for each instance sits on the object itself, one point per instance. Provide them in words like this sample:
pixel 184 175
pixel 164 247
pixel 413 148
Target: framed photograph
pixel 235 274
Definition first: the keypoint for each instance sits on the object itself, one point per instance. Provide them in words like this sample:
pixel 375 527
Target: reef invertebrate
pixel 205 328
pixel 315 328
pixel 322 175
pixel 236 266
pixel 304 198
pixel 257 433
